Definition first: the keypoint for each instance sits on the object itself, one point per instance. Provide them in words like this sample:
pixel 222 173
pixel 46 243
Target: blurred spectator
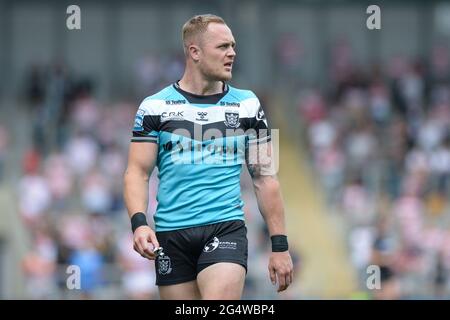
pixel 147 72
pixel 59 178
pixel 81 151
pixel 34 84
pixel 96 196
pixel 35 196
pixel 440 278
pixel 357 204
pixel 39 265
pixel 383 253
pixel 289 53
pixel 90 262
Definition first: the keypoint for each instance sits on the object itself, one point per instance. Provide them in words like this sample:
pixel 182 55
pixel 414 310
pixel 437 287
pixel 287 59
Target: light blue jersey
pixel 202 144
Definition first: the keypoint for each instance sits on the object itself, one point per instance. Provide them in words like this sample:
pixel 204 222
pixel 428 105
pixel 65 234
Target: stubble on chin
pixel 220 77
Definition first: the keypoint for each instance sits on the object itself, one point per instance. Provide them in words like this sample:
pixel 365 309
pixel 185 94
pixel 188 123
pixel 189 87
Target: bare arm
pixel 261 167
pixel 141 162
pixel 270 203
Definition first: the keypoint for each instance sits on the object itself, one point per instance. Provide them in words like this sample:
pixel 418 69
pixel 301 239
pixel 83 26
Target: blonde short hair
pixel 197 25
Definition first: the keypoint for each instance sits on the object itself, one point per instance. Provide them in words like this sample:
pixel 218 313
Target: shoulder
pixel 241 94
pixel 247 100
pixel 152 103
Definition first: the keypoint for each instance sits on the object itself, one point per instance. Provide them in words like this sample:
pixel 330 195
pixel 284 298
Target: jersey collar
pixel 202 99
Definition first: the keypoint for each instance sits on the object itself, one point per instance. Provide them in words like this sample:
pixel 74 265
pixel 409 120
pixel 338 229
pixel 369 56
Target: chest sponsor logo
pixel 230 104
pixel 172 115
pixel 202 116
pixel 173 102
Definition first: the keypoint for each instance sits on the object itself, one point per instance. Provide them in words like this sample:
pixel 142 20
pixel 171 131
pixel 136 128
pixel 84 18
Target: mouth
pixel 228 65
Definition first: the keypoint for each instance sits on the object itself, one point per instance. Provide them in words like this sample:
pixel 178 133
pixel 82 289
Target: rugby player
pixel 198 132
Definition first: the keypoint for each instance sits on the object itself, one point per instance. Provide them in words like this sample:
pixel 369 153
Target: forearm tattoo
pixel 254 170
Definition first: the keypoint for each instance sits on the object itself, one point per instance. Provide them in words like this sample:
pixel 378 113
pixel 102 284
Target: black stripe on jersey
pixel 189 129
pixel 151 123
pixel 142 136
pixel 144 140
pixel 255 123
pixel 200 99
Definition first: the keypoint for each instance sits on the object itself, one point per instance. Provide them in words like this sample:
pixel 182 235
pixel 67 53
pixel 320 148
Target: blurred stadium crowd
pixel 379 140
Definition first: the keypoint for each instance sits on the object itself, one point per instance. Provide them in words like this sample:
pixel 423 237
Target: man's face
pixel 216 55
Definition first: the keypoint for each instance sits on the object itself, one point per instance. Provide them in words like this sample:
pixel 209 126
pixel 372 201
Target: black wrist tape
pixel 138 219
pixel 279 243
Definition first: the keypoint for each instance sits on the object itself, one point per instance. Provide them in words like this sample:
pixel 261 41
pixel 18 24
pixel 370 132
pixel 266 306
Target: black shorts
pixel 189 251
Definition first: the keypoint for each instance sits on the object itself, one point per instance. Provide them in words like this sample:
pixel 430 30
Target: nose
pixel 231 52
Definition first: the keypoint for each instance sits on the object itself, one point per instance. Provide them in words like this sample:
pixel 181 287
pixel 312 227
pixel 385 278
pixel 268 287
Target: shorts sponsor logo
pixel 164 265
pixel 228 245
pixel 211 246
pixel 216 243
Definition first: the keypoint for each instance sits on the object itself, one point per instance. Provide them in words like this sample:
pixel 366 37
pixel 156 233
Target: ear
pixel 194 52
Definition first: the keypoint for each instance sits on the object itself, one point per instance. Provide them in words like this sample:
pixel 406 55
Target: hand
pixel 281 269
pixel 143 237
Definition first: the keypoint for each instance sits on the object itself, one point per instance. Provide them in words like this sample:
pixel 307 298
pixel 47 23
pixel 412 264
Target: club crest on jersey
pixel 232 118
pixel 164 265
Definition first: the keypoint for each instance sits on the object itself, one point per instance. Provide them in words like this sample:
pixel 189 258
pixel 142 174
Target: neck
pixel 196 83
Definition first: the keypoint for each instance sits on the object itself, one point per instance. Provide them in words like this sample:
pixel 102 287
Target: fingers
pixel 145 241
pixel 285 278
pixel 152 238
pixel 147 252
pixel 281 270
pixel 288 280
pixel 142 246
pixel 282 285
pixel 272 275
pixel 284 281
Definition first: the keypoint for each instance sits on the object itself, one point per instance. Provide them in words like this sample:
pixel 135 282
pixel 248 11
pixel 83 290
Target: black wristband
pixel 279 243
pixel 138 219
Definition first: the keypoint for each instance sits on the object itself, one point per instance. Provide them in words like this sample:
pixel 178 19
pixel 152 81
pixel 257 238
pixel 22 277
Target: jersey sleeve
pixel 146 123
pixel 258 128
